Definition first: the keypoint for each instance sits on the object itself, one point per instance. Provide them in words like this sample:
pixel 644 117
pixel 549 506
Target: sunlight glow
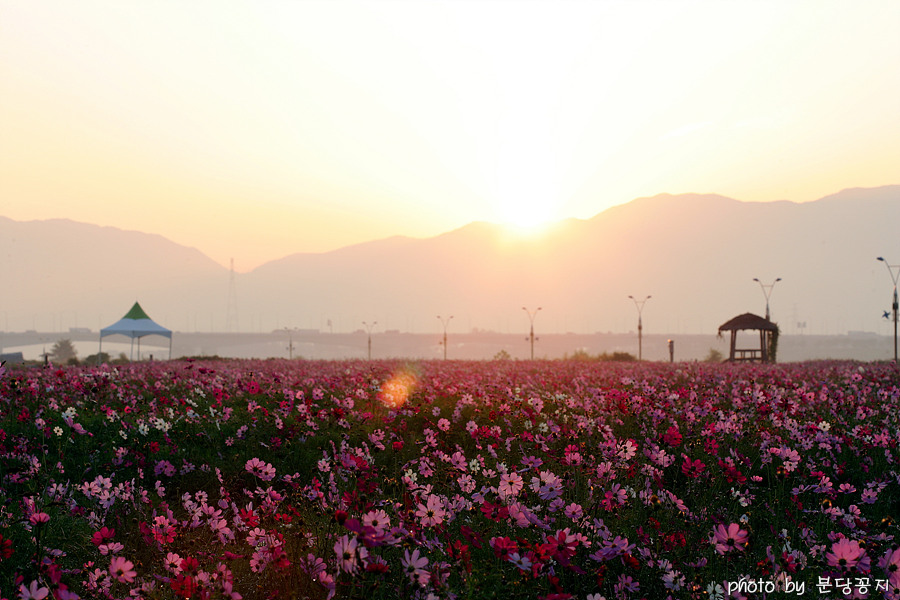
pixel 396 391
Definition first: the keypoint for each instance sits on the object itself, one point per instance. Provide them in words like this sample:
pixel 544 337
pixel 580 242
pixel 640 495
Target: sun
pixel 525 213
pixel 527 217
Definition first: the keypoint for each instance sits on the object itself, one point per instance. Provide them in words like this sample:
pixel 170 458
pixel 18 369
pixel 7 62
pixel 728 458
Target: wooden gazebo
pixel 749 321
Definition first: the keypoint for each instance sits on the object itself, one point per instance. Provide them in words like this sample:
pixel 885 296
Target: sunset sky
pixel 254 130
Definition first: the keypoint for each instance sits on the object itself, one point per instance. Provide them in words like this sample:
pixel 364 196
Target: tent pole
pixel 100 350
pixel 170 347
pixel 132 350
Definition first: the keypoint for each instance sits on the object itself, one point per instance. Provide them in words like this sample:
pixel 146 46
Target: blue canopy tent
pixel 136 324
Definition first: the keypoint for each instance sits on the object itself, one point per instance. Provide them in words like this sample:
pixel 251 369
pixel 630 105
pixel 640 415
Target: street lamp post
pixel 531 315
pixel 639 304
pixel 290 343
pixel 369 331
pixel 767 291
pixel 896 306
pixel 444 323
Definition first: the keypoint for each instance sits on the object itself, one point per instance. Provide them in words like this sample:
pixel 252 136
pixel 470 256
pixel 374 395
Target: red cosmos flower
pixel 184 586
pixel 190 565
pixel 249 517
pixel 562 545
pixel 6 549
pixel 104 534
pixel 692 469
pixel 473 537
pixel 503 547
pixel 494 512
pixel 672 437
pixel 460 552
pixel 631 561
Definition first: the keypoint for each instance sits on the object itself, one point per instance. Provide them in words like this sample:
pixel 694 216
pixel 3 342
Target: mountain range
pixel 696 256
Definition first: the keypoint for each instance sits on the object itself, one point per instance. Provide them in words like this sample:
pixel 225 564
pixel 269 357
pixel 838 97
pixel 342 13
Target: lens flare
pixel 395 392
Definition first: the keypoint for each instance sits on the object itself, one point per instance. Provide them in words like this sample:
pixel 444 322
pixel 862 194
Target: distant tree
pixel 63 351
pixel 502 355
pixel 580 354
pixel 713 356
pixel 773 343
pixel 96 359
pixel 617 357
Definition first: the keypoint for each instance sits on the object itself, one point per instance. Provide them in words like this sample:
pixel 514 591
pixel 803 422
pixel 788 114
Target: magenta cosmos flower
pixel 728 539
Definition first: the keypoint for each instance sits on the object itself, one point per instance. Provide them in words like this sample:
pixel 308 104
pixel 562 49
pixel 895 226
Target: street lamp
pixel 444 323
pixel 891 268
pixel 369 330
pixel 639 304
pixel 290 333
pixel 531 315
pixel 767 291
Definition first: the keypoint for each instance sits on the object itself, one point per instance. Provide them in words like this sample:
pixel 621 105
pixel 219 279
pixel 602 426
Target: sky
pixel 255 130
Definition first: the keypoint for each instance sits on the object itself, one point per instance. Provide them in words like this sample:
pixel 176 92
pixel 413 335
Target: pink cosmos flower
pixel 845 554
pixel 172 562
pixel 33 592
pixel 40 517
pixel 122 570
pixel 510 485
pixel 574 511
pixel 414 566
pixel 431 513
pixel 261 469
pixel 377 520
pixel 349 553
pixel 890 562
pixel 730 538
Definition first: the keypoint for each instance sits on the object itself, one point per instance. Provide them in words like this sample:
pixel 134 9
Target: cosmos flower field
pixel 387 479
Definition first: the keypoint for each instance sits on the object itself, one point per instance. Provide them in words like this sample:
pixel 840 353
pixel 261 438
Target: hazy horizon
pixel 256 131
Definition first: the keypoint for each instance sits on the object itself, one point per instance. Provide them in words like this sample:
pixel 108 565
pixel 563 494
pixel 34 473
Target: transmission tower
pixel 231 313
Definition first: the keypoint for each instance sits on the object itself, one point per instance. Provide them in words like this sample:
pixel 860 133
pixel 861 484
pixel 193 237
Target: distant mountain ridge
pixel 695 254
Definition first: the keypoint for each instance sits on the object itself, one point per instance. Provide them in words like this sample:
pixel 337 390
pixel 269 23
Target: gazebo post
pixel 733 340
pixel 762 345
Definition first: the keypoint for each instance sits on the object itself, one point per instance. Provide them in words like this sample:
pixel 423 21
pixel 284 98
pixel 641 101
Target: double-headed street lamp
pixel 894 275
pixel 639 304
pixel 767 291
pixel 369 331
pixel 531 315
pixel 444 323
pixel 290 333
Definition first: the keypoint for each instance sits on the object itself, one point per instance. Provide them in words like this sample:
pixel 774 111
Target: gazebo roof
pixel 748 321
